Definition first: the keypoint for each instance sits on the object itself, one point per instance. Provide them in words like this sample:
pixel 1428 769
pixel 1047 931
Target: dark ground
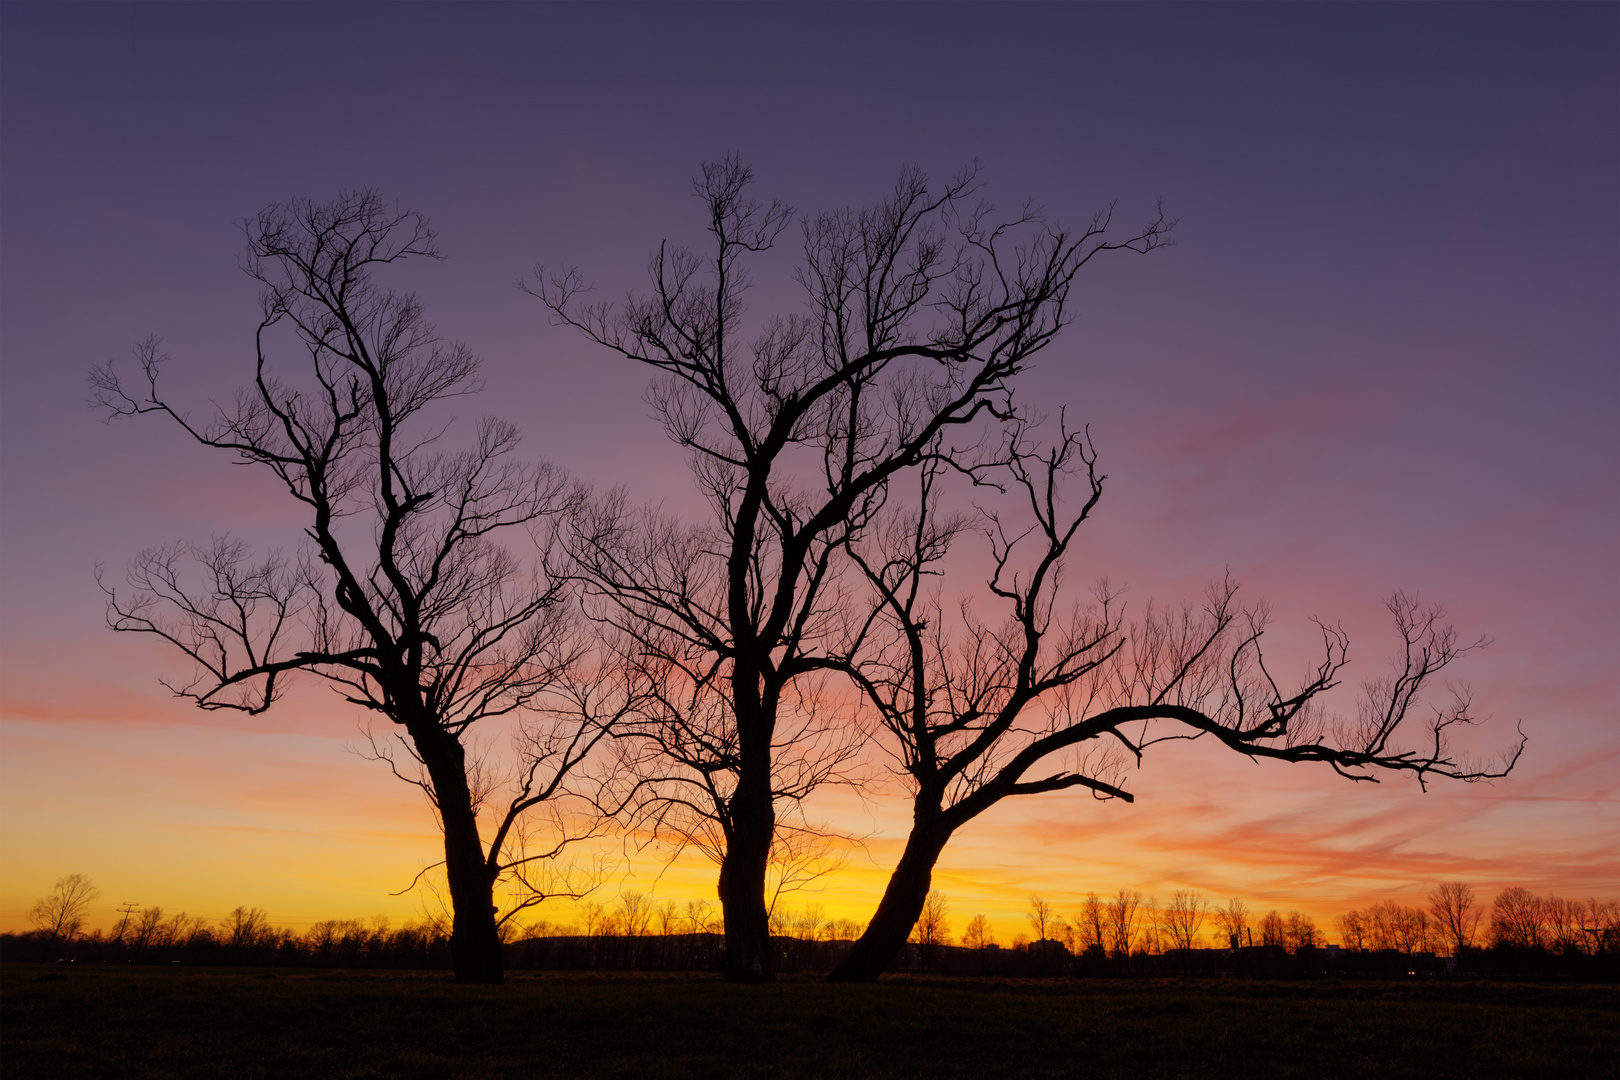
pixel 186 1022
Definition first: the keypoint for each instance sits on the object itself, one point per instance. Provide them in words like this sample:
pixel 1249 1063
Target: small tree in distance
pixel 933 928
pixel 60 916
pixel 1455 914
pixel 1183 916
pixel 1091 925
pixel 245 927
pixel 1122 915
pixel 1233 921
pixel 1518 919
pixel 978 934
pixel 1300 932
pixel 1041 917
pixel 1352 927
pixel 1273 930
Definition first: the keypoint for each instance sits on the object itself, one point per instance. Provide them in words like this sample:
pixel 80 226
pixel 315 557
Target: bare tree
pixel 595 919
pixel 1065 931
pixel 1233 920
pixel 933 928
pixel 1300 932
pixel 1563 920
pixel 700 917
pixel 1388 926
pixel 1518 919
pixel 1154 935
pixel 1273 930
pixel 636 913
pixel 978 934
pixel 1600 924
pixel 669 918
pixel 1455 914
pixel 810 923
pixel 1352 927
pixel 635 918
pixel 1123 913
pixel 920 311
pixel 1184 916
pixel 1412 929
pixel 975 711
pixel 244 927
pixel 59 916
pixel 1092 922
pixel 150 931
pixel 1383 921
pixel 1041 917
pixel 403 597
pixel 184 929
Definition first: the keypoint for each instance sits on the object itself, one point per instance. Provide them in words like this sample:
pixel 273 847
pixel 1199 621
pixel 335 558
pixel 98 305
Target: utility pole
pixel 127 910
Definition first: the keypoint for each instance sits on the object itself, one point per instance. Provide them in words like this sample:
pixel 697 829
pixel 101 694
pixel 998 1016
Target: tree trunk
pixel 753 827
pixel 742 881
pixel 475 944
pixel 902 903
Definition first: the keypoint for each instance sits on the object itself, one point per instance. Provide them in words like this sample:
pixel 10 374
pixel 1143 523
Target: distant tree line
pixel 1454 925
pixel 1518 934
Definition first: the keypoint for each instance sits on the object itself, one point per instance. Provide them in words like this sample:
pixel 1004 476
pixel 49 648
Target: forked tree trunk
pixel 902 903
pixel 475 944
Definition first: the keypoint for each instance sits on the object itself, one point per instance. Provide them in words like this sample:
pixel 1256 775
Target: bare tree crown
pixel 404 594
pixel 918 313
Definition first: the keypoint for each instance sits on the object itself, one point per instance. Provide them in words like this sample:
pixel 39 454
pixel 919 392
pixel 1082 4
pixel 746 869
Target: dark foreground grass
pixel 131 1022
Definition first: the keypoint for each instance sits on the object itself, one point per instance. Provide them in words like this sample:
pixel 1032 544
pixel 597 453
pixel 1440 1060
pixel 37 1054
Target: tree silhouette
pixel 245 927
pixel 932 929
pixel 978 934
pixel 1041 917
pixel 60 915
pixel 920 311
pixel 1455 914
pixel 1233 920
pixel 402 595
pixel 825 443
pixel 1518 919
pixel 1184 916
pixel 1052 697
pixel 1353 930
pixel 1122 915
pixel 1300 932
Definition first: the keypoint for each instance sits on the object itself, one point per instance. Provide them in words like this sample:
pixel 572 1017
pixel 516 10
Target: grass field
pixel 172 1023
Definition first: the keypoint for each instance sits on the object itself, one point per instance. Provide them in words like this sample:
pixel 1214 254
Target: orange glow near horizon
pixel 206 817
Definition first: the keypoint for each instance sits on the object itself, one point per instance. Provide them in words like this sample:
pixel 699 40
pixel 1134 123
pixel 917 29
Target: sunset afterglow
pixel 1380 355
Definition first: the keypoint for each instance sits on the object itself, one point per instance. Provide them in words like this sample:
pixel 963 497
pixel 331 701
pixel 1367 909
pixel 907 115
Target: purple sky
pixel 1383 353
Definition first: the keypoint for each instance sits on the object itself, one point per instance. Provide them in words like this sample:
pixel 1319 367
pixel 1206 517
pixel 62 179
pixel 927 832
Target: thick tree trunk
pixel 753 827
pixel 475 944
pixel 897 913
pixel 742 888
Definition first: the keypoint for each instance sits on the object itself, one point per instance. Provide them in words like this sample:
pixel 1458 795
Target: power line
pixel 126 911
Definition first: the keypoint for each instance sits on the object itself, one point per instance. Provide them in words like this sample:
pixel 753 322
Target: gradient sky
pixel 1382 354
